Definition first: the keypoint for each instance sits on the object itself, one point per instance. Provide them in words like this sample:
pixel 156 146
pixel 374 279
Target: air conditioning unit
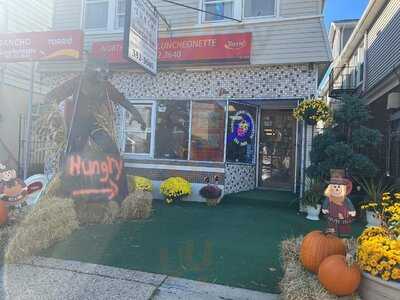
pixel 393 101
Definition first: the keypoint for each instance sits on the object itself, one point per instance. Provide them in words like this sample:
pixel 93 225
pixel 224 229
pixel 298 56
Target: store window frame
pixel 112 13
pixel 152 132
pixel 238 11
pixel 151 155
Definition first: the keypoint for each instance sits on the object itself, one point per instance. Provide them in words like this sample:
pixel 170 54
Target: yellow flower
pixel 386 275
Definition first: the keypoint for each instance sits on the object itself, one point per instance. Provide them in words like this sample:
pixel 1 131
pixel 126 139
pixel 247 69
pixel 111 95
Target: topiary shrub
pixel 342 145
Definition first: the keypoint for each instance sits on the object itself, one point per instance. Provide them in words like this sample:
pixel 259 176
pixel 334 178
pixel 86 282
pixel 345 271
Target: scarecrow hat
pixel 338 177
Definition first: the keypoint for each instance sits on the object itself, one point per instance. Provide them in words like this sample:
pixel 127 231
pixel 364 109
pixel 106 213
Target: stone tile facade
pixel 233 82
pixel 241 82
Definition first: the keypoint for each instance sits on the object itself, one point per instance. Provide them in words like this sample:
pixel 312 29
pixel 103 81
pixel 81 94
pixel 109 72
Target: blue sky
pixel 343 9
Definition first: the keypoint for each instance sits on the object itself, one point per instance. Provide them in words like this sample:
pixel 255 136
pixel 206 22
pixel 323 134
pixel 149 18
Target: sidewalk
pixel 48 278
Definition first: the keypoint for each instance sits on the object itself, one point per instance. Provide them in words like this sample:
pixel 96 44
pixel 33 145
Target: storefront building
pixel 220 106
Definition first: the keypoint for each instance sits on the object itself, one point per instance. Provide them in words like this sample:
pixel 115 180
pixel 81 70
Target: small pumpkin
pixel 338 277
pixel 3 213
pixel 317 246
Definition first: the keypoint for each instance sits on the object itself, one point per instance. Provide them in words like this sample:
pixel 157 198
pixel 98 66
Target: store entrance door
pixel 277 149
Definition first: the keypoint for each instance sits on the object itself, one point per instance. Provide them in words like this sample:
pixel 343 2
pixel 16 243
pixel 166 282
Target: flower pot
pixel 373 288
pixel 313 213
pixel 213 201
pixel 372 219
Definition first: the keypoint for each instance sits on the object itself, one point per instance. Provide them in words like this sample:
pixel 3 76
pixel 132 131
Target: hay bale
pixel 131 183
pixel 90 213
pixel 137 205
pixel 113 209
pixel 51 220
pixel 298 283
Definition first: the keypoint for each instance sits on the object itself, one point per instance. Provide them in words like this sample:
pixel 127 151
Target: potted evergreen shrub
pixel 313 198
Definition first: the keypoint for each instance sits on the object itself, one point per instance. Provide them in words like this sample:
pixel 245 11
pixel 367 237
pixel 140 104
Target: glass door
pixel 277 149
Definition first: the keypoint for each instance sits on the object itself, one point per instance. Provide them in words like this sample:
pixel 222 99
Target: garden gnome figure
pixel 337 206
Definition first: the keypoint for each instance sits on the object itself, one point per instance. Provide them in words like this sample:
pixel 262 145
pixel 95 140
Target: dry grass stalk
pixel 51 220
pixel 297 283
pixel 137 205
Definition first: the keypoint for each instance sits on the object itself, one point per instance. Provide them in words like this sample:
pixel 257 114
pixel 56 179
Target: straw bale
pixel 297 283
pixel 90 213
pixel 137 205
pixel 51 220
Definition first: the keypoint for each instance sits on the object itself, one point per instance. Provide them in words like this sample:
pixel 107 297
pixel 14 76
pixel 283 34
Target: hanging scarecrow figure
pixel 86 102
pixel 337 206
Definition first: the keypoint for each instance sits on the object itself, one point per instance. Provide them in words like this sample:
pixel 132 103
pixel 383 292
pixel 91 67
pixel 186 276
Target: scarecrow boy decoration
pixel 337 207
pixel 12 189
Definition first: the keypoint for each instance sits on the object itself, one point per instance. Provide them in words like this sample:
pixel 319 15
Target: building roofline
pixel 368 18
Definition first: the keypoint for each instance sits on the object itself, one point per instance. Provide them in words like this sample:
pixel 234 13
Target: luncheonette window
pixel 220 7
pixel 238 9
pixel 120 14
pixel 172 131
pixel 138 137
pixel 104 15
pixel 208 121
pixel 96 14
pixel 3 17
pixel 259 8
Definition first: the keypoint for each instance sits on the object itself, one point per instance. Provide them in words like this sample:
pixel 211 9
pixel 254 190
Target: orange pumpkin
pixel 317 246
pixel 338 277
pixel 3 213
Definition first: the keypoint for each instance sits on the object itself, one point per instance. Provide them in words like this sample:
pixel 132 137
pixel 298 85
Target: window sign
pixel 241 133
pixel 208 121
pixel 172 131
pixel 141 34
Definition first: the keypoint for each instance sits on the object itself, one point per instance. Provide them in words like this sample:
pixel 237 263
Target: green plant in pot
pixel 374 191
pixel 313 197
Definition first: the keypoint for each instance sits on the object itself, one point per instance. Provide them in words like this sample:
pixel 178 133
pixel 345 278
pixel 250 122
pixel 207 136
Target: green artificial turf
pixel 235 243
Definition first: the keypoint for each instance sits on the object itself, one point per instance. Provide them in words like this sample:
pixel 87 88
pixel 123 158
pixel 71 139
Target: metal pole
pixel 28 127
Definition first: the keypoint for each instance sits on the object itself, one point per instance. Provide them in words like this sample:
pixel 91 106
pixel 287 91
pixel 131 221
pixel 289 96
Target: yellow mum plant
pixel 312 111
pixel 142 184
pixel 175 188
pixel 379 247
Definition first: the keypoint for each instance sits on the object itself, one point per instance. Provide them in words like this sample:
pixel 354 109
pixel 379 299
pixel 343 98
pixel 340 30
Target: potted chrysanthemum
pixel 313 111
pixel 378 253
pixel 211 192
pixel 175 188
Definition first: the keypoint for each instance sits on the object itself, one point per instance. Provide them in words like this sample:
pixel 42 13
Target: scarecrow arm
pixel 64 90
pixel 117 97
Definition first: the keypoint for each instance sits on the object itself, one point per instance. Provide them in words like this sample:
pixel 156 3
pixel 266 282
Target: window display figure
pixel 89 113
pixel 337 207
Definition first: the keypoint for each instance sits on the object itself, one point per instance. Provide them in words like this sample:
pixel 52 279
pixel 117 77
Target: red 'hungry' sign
pixel 35 46
pixel 220 47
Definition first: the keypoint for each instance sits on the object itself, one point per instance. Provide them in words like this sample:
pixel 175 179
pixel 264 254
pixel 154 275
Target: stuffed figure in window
pixel 12 189
pixel 337 206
